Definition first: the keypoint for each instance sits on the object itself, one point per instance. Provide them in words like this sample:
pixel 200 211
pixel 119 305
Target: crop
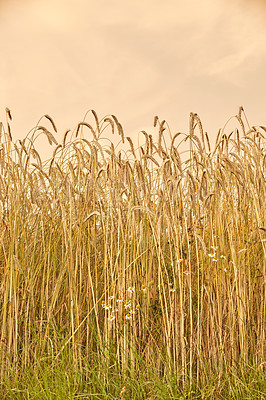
pixel 119 265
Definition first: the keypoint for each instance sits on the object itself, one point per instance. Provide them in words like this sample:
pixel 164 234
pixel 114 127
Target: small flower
pixel 119 300
pixel 172 290
pixel 127 304
pixel 106 306
pixel 131 289
pixel 111 318
pixel 138 306
pixel 180 260
pixel 111 297
pixel 222 256
pixel 186 272
pixel 212 255
pixel 225 270
pixel 143 288
pixel 214 248
pixel 214 259
pixel 128 316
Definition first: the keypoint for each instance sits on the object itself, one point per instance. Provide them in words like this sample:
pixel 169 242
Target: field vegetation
pixel 133 272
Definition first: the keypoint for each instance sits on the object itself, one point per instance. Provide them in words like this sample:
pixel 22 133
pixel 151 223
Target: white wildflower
pixel 106 306
pixel 212 255
pixel 127 304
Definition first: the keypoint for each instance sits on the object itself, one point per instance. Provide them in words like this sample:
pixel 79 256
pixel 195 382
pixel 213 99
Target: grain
pixel 155 260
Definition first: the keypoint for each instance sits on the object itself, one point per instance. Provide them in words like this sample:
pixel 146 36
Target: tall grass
pixel 137 273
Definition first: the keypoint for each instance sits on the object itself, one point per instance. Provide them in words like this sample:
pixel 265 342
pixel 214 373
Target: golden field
pixel 134 272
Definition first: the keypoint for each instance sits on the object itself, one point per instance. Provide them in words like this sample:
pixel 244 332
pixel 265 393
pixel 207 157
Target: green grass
pixel 48 378
pixel 133 273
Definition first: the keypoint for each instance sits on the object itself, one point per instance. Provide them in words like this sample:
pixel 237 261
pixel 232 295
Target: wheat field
pixel 133 272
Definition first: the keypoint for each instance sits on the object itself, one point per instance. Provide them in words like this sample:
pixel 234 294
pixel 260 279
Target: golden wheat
pixel 159 256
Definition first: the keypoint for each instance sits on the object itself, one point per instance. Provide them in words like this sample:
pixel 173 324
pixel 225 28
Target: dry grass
pixel 157 257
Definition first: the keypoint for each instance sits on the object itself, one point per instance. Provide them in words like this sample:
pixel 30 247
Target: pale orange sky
pixel 135 59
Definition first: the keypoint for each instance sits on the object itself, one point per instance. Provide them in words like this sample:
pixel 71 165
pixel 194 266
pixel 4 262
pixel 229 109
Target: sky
pixel 134 59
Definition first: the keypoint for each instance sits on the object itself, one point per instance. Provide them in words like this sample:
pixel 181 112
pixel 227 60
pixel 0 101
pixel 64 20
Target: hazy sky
pixel 135 59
